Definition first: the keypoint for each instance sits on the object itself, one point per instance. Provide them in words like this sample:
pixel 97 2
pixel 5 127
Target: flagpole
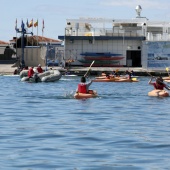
pixel 16 38
pixel 37 32
pixel 32 37
pixel 27 27
pixel 43 29
pixel 32 31
pixel 36 25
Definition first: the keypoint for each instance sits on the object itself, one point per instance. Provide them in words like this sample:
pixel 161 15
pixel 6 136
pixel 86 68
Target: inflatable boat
pixel 85 95
pixel 47 76
pixel 158 93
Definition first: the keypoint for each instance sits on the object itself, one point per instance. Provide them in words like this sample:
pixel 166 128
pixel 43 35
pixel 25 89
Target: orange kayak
pixel 85 95
pixel 116 80
pixel 168 81
pixel 166 78
pixel 158 93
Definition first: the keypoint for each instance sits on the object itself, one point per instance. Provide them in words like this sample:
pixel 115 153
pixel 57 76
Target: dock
pixel 94 71
pixel 139 71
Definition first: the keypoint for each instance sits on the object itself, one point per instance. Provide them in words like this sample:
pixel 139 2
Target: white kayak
pixel 158 93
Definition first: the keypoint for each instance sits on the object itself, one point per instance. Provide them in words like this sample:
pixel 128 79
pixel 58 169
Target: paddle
pixel 134 78
pixel 148 73
pixel 89 68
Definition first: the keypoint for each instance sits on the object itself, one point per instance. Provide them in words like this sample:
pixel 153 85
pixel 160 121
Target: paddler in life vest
pixel 83 86
pixel 108 76
pixel 158 84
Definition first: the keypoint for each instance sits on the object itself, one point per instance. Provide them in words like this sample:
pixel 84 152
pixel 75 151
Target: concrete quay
pixel 138 71
pixel 6 69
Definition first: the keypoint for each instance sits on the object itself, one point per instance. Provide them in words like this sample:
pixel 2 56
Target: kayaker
pixel 132 73
pixel 108 76
pixel 128 74
pixel 83 86
pixel 158 84
pixel 103 74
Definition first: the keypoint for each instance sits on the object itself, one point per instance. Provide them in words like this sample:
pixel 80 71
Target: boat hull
pixel 158 93
pixel 107 54
pixel 112 63
pixel 166 78
pixel 101 59
pixel 168 81
pixel 47 76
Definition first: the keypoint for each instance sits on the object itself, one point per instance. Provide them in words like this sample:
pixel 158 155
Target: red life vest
pixel 39 69
pixel 82 88
pixel 30 72
pixel 158 86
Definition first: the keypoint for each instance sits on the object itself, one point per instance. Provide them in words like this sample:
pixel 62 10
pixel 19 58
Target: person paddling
pixel 83 86
pixel 158 84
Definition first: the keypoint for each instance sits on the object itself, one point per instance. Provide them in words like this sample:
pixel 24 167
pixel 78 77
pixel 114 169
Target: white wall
pixel 112 46
pixel 32 56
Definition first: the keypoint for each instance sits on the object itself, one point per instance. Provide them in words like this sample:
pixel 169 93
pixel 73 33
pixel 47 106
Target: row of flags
pixel 30 24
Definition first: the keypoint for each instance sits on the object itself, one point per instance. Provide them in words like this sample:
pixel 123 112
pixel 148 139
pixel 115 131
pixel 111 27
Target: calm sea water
pixel 44 127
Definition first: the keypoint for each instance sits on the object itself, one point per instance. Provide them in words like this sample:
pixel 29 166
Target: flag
pixel 16 24
pixel 43 26
pixel 36 24
pixel 27 23
pixel 22 25
pixel 31 23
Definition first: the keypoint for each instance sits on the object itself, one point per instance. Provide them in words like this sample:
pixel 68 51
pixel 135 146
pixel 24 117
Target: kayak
pixel 115 80
pixel 168 81
pixel 158 93
pixel 123 76
pixel 104 77
pixel 166 78
pixel 85 95
pixel 69 75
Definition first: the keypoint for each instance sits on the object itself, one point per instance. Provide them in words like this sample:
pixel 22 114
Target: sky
pixel 55 12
